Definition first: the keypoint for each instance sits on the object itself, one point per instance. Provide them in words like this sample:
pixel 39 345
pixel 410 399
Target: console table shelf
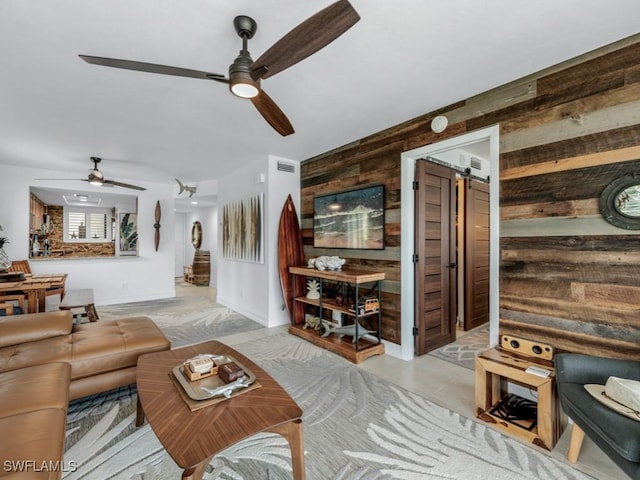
pixel 341 344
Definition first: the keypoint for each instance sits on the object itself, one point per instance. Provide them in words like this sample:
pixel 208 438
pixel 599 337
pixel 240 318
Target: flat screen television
pixel 352 219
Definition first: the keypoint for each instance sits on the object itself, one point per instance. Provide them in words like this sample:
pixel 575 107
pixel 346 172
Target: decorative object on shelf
pixel 620 202
pixel 156 225
pixel 311 321
pixel 339 299
pixel 186 188
pixel 35 246
pixel 353 219
pixel 366 305
pixel 349 330
pixel 313 289
pixel 326 263
pixel 196 235
pixel 5 263
pixel 242 230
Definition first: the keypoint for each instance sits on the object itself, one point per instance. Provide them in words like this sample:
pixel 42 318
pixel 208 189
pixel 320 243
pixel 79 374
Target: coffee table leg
pixel 196 473
pixel 139 413
pixel 292 432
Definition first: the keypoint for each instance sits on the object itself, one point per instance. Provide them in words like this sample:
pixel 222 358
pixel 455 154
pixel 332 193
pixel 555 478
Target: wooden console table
pixel 494 368
pixel 354 351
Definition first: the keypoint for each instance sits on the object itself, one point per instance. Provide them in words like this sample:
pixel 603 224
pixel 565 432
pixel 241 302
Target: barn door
pixel 435 269
pixel 476 262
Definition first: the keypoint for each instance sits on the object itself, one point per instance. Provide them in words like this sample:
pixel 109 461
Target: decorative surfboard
pixel 291 254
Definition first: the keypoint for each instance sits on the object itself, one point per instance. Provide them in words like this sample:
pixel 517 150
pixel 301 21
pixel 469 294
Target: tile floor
pixel 445 384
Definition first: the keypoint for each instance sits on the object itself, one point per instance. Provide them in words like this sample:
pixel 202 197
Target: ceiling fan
pixel 244 77
pixel 96 177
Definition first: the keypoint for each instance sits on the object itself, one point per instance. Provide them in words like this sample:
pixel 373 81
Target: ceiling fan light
pixel 243 86
pixel 96 178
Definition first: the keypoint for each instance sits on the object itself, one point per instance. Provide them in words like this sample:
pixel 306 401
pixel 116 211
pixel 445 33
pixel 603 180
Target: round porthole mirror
pixel 196 235
pixel 620 202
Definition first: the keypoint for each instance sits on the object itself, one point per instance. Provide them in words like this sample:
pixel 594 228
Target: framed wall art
pixel 353 219
pixel 243 230
pixel 128 234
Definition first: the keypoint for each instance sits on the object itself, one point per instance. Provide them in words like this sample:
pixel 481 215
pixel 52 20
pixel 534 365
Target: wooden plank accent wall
pixel 566 277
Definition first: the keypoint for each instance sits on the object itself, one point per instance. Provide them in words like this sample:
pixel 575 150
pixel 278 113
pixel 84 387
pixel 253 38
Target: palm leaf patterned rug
pixel 186 319
pixel 357 427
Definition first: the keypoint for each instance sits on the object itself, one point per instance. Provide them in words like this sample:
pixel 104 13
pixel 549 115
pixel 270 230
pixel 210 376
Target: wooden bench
pixel 80 298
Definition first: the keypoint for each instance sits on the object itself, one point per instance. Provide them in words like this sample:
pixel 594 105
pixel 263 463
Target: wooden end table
pixel 494 368
pixel 193 438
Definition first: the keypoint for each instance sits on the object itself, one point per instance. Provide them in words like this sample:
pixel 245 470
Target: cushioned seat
pixel 103 355
pixel 33 414
pixel 617 435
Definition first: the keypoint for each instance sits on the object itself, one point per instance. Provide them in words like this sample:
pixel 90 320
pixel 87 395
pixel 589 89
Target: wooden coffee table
pixel 193 438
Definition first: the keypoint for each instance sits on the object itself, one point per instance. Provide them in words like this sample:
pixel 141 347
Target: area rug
pixel 185 319
pixel 464 350
pixel 356 427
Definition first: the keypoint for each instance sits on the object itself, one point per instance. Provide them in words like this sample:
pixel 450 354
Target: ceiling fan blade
pixel 272 114
pixel 150 67
pixel 313 34
pixel 64 179
pixel 123 185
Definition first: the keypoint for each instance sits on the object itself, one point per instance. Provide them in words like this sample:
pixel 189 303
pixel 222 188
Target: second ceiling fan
pixel 245 74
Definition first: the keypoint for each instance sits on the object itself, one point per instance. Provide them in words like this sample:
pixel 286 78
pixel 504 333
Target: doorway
pixel 446 153
pixel 451 259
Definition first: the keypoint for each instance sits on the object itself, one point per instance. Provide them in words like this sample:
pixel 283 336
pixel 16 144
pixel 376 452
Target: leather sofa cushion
pixel 16 329
pixel 34 388
pixel 91 348
pixel 104 346
pixel 33 414
pixel 36 436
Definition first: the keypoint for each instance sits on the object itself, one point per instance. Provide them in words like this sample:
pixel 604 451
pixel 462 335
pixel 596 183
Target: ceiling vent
pixel 286 167
pixel 476 163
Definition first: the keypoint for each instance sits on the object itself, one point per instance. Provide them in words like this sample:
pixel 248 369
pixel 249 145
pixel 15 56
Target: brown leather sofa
pixel 45 361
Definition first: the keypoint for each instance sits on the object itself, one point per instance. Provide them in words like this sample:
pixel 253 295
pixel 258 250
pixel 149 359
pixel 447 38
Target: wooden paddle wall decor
pixel 156 226
pixel 567 278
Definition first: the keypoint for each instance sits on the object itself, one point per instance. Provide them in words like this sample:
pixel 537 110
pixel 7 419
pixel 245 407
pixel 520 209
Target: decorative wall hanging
pixel 186 188
pixel 196 235
pixel 242 230
pixel 620 202
pixel 128 235
pixel 353 219
pixel 156 225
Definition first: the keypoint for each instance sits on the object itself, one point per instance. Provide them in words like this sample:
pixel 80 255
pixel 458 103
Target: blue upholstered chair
pixel 617 435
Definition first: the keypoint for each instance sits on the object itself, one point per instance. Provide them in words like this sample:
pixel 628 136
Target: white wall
pixel 114 280
pixel 253 289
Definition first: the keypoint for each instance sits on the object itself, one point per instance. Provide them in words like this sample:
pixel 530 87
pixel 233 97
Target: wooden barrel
pixel 201 267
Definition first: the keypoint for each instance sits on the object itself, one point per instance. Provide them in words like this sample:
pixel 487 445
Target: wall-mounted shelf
pixel 342 345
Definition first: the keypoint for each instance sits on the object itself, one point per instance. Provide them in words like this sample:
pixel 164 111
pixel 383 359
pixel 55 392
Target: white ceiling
pixel 403 59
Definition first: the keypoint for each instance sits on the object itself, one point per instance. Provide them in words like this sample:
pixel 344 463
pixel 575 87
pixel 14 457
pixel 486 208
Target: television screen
pixel 353 219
